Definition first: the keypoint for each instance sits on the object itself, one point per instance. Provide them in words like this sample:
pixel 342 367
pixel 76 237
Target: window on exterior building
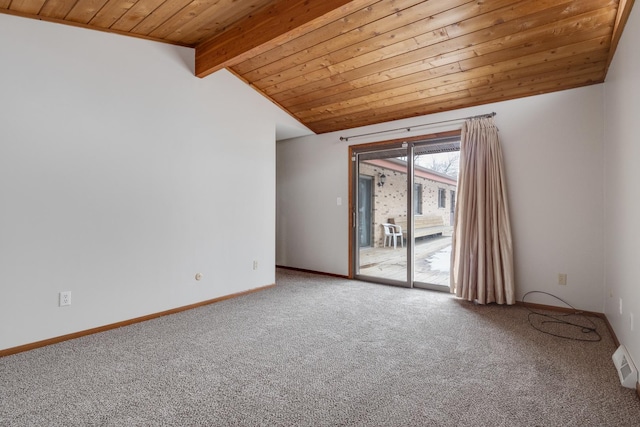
pixel 417 199
pixel 442 197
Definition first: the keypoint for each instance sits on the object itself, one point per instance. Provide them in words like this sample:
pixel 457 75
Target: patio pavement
pixel 431 263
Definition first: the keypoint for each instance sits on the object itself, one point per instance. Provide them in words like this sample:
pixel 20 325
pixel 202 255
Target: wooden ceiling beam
pixel 280 21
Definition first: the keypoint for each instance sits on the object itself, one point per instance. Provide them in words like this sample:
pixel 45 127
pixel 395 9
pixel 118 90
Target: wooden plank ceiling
pixel 339 64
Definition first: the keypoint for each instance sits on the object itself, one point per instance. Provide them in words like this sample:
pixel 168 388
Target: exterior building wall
pixel 390 200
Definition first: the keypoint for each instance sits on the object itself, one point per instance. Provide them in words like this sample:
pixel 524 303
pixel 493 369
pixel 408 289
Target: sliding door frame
pixel 352 176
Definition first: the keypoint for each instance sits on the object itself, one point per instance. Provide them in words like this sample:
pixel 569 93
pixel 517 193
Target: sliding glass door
pixel 403 212
pixel 435 172
pixel 384 258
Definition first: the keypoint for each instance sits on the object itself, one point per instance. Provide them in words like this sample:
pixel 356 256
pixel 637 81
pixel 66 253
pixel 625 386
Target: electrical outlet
pixel 64 298
pixel 562 279
pixel 255 265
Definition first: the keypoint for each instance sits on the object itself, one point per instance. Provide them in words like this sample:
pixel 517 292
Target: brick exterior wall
pixel 390 200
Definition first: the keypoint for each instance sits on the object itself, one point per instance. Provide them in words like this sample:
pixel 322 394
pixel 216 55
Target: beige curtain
pixel 482 250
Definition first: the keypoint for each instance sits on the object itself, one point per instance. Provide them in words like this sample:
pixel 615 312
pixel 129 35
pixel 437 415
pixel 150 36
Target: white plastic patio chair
pixel 391 233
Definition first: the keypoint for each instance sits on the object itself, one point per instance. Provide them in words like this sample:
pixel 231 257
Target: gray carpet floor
pixel 318 351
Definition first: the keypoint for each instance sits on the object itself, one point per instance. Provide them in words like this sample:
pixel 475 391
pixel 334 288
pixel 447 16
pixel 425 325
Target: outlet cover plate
pixel 64 298
pixel 562 279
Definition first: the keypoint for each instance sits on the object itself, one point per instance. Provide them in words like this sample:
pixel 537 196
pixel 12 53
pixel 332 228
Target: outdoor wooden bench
pixel 425 225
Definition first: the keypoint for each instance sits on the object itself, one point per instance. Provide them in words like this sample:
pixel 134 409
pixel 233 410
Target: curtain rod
pixel 409 128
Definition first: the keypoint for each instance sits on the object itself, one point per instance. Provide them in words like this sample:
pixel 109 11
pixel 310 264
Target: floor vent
pixel 626 369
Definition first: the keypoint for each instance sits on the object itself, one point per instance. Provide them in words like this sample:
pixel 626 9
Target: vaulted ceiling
pixel 339 64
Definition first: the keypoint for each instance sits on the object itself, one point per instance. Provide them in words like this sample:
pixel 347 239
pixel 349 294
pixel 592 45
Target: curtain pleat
pixel 482 248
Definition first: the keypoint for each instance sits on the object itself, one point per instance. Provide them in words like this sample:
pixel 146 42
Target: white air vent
pixel 626 370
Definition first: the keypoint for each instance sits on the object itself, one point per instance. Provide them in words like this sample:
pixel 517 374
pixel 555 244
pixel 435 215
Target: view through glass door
pixel 435 172
pixel 404 218
pixel 385 258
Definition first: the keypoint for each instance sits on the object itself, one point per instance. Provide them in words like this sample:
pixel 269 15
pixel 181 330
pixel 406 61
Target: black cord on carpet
pixel 591 333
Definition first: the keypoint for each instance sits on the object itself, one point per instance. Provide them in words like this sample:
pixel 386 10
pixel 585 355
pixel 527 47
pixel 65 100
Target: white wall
pixel 622 187
pixel 122 176
pixel 552 147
